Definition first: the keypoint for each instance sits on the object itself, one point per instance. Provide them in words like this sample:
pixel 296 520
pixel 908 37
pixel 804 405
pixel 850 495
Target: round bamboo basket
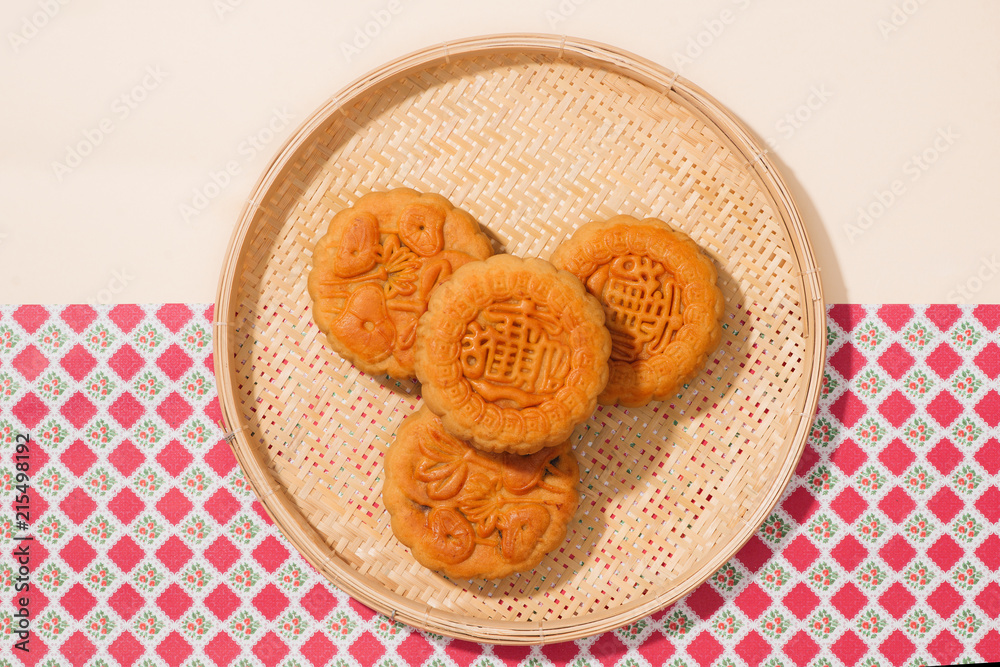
pixel 534 135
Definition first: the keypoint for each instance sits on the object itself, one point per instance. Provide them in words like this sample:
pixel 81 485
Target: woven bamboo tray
pixel 533 135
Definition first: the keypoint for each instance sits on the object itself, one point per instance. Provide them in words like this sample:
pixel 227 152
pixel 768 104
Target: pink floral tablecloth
pixel 139 541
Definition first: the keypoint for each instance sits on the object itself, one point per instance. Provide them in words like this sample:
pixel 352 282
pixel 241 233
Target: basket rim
pixel 272 494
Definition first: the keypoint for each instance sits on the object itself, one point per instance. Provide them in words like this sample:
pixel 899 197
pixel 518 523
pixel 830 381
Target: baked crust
pixel 660 299
pixel 512 354
pixel 471 514
pixel 375 268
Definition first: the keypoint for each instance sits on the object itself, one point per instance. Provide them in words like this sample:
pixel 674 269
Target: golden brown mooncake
pixel 471 514
pixel 660 299
pixel 375 268
pixel 512 354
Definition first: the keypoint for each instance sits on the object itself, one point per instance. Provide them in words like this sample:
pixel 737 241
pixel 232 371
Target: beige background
pixel 133 132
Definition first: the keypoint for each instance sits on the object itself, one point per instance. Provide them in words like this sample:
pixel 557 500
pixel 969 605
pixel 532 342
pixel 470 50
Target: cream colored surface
pixel 888 107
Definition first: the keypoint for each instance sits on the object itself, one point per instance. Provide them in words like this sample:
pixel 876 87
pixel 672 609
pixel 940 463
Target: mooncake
pixel 512 354
pixel 375 268
pixel 470 514
pixel 660 299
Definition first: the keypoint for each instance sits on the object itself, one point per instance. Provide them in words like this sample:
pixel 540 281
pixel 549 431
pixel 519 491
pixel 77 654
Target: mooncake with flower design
pixel 375 268
pixel 471 514
pixel 660 298
pixel 511 354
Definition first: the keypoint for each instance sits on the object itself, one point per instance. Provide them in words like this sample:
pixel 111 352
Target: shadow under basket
pixel 533 135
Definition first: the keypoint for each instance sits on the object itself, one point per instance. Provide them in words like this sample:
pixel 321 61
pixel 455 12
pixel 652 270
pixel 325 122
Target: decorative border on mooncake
pixel 447 392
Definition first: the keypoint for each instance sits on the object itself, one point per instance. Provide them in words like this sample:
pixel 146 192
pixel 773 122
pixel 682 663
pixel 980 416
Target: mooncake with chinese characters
pixel 660 299
pixel 512 354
